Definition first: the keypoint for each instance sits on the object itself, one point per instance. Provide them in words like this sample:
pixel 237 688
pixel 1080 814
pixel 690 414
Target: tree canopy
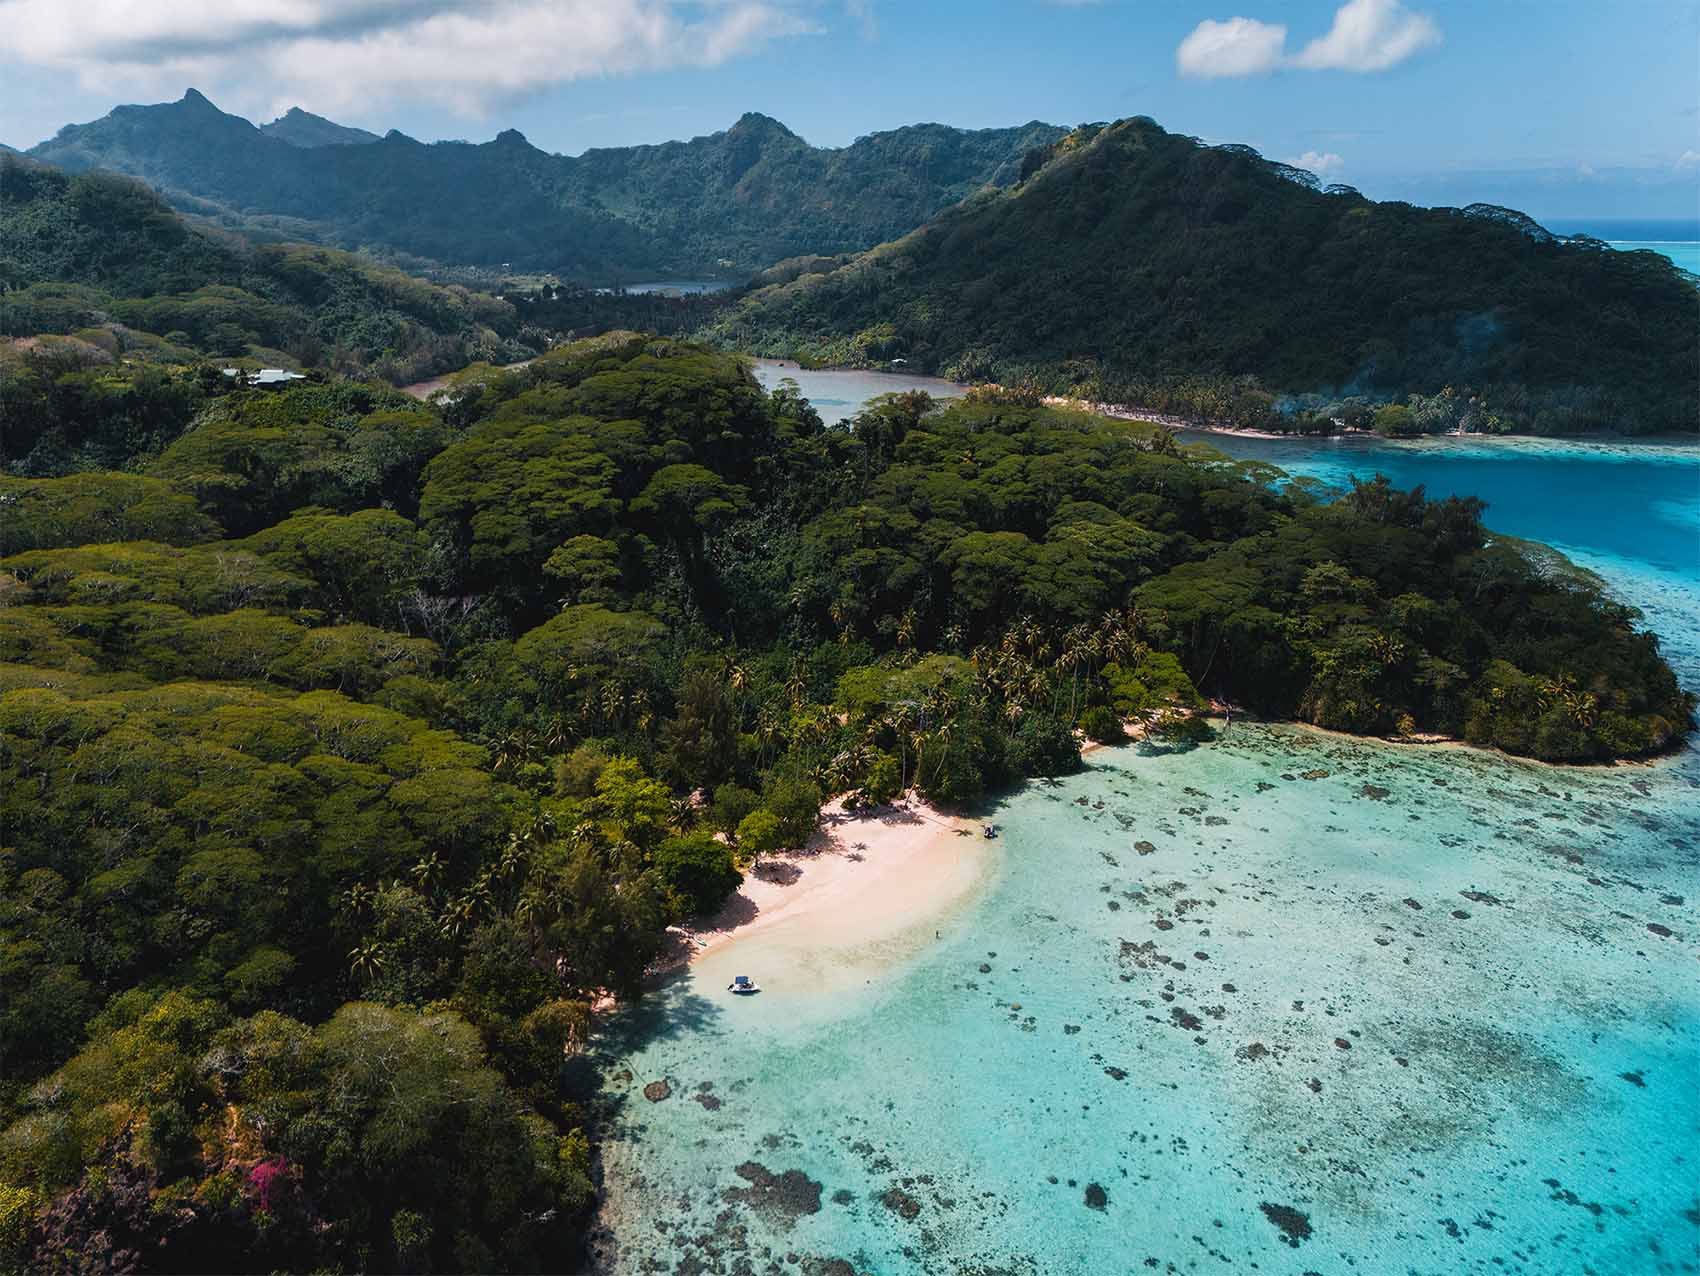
pixel 1135 266
pixel 353 751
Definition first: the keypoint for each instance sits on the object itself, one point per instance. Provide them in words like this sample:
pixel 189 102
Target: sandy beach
pixel 866 882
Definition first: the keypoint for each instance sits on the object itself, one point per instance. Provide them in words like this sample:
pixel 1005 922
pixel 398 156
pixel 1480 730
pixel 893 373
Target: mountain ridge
pixel 731 201
pixel 1128 258
pixel 303 128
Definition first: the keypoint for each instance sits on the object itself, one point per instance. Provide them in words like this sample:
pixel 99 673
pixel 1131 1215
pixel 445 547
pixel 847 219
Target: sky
pixel 1561 107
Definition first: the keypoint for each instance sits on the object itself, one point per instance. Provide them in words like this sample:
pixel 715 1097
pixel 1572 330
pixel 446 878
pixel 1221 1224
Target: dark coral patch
pixel 780 1198
pixel 1294 1224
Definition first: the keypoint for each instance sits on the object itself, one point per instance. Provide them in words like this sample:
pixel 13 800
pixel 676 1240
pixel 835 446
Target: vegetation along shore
pixel 369 729
pixel 344 700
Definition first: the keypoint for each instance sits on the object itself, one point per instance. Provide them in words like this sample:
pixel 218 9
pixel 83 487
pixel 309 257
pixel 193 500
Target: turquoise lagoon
pixel 1684 253
pixel 1285 1003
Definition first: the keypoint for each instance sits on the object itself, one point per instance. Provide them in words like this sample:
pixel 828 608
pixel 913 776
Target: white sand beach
pixel 862 893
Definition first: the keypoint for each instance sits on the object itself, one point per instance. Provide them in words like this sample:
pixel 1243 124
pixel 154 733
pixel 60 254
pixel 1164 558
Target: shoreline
pixel 864 875
pixel 1125 412
pixel 875 874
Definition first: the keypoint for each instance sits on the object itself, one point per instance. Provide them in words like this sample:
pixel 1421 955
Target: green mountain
pixel 98 276
pixel 737 200
pixel 303 128
pixel 1132 265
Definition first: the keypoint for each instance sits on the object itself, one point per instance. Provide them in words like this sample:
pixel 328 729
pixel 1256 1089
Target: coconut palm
pixel 796 684
pixel 515 748
pixel 428 873
pixel 366 960
pixel 769 730
pixel 906 629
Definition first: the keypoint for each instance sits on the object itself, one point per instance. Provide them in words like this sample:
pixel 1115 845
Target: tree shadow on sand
pixel 779 872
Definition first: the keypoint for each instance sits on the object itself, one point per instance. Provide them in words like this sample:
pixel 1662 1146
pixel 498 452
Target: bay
pixel 838 393
pixel 1291 999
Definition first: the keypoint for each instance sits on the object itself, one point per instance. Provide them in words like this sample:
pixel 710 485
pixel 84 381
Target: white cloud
pixel 1367 35
pixel 1688 159
pixel 1239 46
pixel 332 54
pixel 1322 163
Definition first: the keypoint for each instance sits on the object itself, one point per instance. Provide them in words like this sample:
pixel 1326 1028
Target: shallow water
pixel 1435 1009
pixel 1684 253
pixel 838 394
pixel 1629 511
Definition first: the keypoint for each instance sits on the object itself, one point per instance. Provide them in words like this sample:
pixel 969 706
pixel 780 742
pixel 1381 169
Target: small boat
pixel 743 985
pixel 989 831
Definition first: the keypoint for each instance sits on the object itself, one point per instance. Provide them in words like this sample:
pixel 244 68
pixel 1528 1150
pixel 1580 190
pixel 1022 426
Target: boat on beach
pixel 743 985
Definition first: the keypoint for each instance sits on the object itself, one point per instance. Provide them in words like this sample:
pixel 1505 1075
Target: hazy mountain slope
pixel 749 196
pixel 1131 255
pixel 303 128
pixel 86 252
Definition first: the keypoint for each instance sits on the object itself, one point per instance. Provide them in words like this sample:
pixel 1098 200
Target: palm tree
pixel 856 761
pixel 557 734
pixel 906 628
pixel 903 725
pixel 1036 684
pixel 1076 649
pixel 428 873
pixel 944 733
pixel 366 960
pixel 737 675
pixel 457 917
pixel 611 701
pixel 514 748
pixel 769 730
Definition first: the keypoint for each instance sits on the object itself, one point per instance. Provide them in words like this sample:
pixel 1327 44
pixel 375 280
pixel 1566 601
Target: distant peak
pixel 511 137
pixel 194 97
pixel 756 122
pixel 302 128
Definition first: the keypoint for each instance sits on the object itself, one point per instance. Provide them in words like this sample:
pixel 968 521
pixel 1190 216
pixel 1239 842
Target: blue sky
pixel 1576 108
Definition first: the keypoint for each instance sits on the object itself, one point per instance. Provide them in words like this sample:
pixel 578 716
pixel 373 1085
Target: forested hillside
pixel 109 300
pixel 1135 266
pixel 731 201
pixel 351 749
